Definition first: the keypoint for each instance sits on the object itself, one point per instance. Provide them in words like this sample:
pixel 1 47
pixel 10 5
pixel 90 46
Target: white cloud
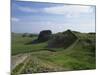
pixel 14 19
pixel 27 9
pixel 68 10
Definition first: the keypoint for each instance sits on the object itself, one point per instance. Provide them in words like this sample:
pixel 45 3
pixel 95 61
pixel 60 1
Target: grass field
pixel 19 44
pixel 80 55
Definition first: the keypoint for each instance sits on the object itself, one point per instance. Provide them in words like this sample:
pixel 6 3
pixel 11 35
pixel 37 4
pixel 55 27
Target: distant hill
pixel 63 39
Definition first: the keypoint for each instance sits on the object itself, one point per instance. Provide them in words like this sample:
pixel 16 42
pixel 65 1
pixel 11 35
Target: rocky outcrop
pixel 44 35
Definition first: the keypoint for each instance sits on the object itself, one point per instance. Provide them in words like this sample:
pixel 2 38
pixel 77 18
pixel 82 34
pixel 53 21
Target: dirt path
pixel 25 63
pixel 17 59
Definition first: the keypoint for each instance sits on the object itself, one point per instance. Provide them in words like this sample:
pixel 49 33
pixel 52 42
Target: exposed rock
pixel 44 35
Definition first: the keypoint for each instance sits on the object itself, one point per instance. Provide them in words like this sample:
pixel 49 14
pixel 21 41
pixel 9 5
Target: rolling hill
pixel 64 51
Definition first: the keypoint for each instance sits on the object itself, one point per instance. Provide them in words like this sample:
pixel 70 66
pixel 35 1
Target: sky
pixel 33 17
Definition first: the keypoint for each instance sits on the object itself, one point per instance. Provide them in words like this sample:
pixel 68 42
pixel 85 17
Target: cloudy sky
pixel 32 17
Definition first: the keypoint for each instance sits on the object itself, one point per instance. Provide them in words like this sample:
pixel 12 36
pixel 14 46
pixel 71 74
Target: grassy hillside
pixel 62 40
pixel 19 44
pixel 63 53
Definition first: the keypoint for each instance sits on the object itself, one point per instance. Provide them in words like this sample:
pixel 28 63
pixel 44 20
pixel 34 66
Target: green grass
pixel 17 69
pixel 75 59
pixel 78 56
pixel 19 44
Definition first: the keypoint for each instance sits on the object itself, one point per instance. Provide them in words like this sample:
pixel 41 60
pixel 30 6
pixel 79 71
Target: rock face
pixel 44 35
